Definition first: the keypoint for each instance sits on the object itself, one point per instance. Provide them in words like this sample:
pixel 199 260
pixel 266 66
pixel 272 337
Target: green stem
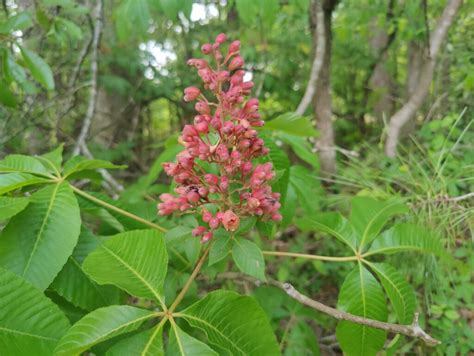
pixel 191 278
pixel 118 210
pixel 310 257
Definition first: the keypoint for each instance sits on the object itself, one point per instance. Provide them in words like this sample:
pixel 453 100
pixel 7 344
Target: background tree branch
pixel 409 109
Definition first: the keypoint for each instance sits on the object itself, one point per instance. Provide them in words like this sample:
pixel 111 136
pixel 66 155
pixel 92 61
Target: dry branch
pixel 413 330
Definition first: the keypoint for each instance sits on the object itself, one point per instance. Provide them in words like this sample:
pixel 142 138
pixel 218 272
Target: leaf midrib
pixel 364 306
pixel 131 269
pixel 215 329
pixel 373 266
pixel 26 334
pixel 43 224
pixel 104 336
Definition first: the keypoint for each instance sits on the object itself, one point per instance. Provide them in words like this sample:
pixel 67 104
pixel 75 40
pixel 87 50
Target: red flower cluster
pixel 223 138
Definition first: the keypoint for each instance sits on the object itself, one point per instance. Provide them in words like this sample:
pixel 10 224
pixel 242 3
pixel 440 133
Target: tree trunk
pixel 322 99
pixel 381 84
pixel 408 110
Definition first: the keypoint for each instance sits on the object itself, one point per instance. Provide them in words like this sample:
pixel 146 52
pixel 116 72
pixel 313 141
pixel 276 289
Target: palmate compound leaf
pixel 361 295
pixel 135 261
pixel 100 325
pixel 235 324
pixel 400 293
pixel 74 285
pixel 183 344
pixel 369 216
pixel 37 242
pixel 30 323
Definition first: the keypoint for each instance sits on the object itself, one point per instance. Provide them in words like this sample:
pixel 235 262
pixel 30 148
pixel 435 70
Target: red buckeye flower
pixel 223 137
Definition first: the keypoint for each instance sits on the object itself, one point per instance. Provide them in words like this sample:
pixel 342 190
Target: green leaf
pixel 220 248
pixel 234 323
pixel 333 224
pixel 177 235
pixel 301 340
pixel 80 163
pixel 53 160
pixel 37 242
pixel 13 181
pixel 268 12
pixel 135 261
pixel 361 295
pixel 248 11
pixel 20 21
pixel 400 293
pixel 407 237
pixel 248 258
pixel 7 98
pixel 11 206
pixel 39 69
pixel 74 285
pixel 369 216
pixel 307 188
pixel 30 323
pixel 293 124
pixel 301 147
pixel 100 325
pixel 72 30
pixel 181 343
pixel 146 343
pixel 23 164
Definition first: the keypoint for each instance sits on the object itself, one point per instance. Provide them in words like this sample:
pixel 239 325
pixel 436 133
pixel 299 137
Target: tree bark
pixel 322 99
pixel 408 110
pixel 319 53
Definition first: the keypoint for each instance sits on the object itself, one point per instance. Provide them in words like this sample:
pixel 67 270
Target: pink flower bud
pixel 207 236
pixel 230 221
pixel 214 223
pixel 222 152
pixel 193 197
pixel 234 46
pixel 202 107
pixel 191 93
pixel 221 37
pixel 224 183
pixel 237 62
pixel 206 216
pixel 253 203
pixel 201 124
pixel 206 48
pixel 198 231
pixel 203 191
pixel 277 217
pixel 211 179
pixel 251 106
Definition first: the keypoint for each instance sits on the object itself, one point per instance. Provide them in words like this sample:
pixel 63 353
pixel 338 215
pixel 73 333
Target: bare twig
pixel 462 197
pixel 413 330
pixel 93 90
pixel 317 62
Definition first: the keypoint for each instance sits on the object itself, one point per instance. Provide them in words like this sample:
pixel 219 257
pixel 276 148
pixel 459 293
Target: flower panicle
pixel 224 140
